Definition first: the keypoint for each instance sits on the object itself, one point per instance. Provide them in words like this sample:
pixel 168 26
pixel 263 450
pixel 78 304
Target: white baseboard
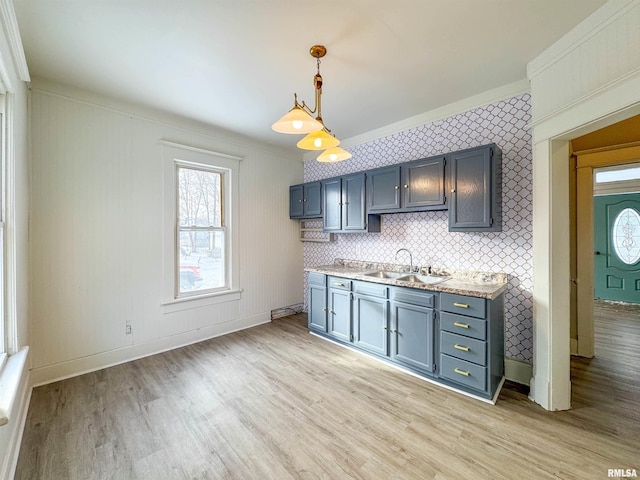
pixel 15 428
pixel 79 366
pixel 573 346
pixel 518 371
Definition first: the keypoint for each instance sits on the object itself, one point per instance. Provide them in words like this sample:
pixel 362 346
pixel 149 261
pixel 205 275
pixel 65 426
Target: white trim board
pixel 79 366
pixel 16 414
pixel 518 371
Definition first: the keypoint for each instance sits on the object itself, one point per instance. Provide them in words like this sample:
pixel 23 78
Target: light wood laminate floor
pixel 274 402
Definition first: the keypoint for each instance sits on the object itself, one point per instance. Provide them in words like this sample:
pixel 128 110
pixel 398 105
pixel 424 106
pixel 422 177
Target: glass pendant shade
pixel 335 154
pixel 297 121
pixel 319 140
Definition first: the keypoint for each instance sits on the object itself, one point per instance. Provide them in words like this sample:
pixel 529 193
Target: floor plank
pixel 274 402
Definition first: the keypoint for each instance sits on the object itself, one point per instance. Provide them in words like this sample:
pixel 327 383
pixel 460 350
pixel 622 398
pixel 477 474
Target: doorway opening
pixel 605 302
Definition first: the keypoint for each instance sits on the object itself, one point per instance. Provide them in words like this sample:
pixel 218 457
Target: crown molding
pixel 470 103
pixel 12 31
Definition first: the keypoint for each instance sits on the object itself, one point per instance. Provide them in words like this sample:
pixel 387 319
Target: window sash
pixel 189 286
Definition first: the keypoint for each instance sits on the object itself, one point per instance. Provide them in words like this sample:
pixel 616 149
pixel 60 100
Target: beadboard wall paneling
pixel 596 54
pixel 426 234
pixel 96 233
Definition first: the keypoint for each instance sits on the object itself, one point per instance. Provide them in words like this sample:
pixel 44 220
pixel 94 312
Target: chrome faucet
pixel 410 258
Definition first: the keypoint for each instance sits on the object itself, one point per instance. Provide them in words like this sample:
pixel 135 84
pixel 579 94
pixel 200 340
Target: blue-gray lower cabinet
pixel 472 343
pixel 412 329
pixel 371 317
pixel 455 340
pixel 339 308
pixel 317 316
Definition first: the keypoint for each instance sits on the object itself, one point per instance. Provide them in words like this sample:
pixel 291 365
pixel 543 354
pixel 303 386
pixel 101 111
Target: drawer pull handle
pixel 461 347
pixel 461 372
pixel 461 305
pixel 461 325
pixel 338 284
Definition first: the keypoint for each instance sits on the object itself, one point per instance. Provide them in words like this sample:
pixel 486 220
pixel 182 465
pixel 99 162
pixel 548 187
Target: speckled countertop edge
pixel 462 282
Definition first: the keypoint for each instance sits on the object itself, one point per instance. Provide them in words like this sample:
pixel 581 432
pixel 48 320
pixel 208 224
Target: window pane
pixel 618 174
pixel 199 197
pixel 201 261
pixel 626 236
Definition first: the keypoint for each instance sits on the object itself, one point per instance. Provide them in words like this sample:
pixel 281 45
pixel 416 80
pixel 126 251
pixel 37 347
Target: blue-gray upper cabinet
pixel 413 328
pixel 476 190
pixel 345 207
pixel 305 200
pixel 412 186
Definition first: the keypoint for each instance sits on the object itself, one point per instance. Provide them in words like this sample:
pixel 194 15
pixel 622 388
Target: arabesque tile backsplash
pixel 426 234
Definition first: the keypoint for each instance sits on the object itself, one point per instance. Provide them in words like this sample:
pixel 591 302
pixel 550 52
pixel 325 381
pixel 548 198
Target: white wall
pixel 96 233
pixel 587 80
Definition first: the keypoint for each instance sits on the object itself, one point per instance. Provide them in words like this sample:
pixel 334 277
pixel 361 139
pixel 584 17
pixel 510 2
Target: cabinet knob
pixel 384 328
pixel 397 187
pixel 406 186
pixel 305 200
pixel 393 330
pixel 453 190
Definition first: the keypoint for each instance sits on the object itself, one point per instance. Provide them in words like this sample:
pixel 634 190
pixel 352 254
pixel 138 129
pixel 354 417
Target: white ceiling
pixel 235 64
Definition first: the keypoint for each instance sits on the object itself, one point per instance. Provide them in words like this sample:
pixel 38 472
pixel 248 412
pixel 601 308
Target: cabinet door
pixel 353 208
pixel 312 199
pixel 412 336
pixel 470 205
pixel 423 183
pixel 296 197
pixel 383 189
pixel 318 308
pixel 332 204
pixel 370 319
pixel 340 314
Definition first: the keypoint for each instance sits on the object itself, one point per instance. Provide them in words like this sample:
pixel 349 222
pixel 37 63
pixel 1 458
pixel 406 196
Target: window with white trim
pixel 4 328
pixel 200 246
pixel 201 243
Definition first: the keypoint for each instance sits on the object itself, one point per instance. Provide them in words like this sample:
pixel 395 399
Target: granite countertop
pixel 462 282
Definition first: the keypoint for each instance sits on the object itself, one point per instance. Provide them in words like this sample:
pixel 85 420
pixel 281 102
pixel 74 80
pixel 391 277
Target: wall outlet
pixel 358 249
pixel 127 329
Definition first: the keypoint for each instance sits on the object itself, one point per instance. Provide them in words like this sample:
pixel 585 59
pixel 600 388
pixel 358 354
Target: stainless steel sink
pixel 426 279
pixel 384 274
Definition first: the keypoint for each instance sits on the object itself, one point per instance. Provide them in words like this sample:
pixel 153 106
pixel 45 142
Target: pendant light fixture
pixel 299 120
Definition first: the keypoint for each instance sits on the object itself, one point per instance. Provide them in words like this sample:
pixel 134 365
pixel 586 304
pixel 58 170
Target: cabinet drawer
pixel 413 297
pixel 462 372
pixel 314 278
pixel 339 283
pixel 471 306
pixel 370 289
pixel 464 348
pixel 468 326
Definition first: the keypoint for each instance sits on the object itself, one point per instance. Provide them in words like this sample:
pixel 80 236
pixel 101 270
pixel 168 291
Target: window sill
pixel 196 301
pixel 10 376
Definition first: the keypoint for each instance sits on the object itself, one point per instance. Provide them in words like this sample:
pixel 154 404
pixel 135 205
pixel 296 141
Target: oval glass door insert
pixel 626 236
